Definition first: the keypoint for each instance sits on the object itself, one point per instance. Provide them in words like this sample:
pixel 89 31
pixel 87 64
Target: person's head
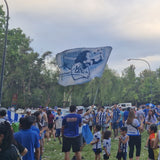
pixel 128 109
pixel 139 107
pixel 6 135
pixel 97 128
pixel 147 106
pixel 28 111
pixel 120 108
pixel 123 131
pixel 72 108
pixel 107 110
pixel 150 112
pixel 48 112
pixel 152 128
pixel 44 109
pixel 79 111
pixel 38 116
pixel 115 105
pixel 3 112
pixel 131 116
pixel 26 122
pixel 59 111
pixel 102 108
pixel 107 134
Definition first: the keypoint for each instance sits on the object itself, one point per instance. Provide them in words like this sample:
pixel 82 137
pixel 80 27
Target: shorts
pixel 50 126
pixel 114 125
pixel 105 157
pixel 58 132
pixel 122 155
pixel 97 151
pixel 71 142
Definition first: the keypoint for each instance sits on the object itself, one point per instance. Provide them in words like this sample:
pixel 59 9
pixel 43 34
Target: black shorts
pixel 50 126
pixel 71 142
pixel 97 151
pixel 58 132
pixel 115 125
pixel 105 157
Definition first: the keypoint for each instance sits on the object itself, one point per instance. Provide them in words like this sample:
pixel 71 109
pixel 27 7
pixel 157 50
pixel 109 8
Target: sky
pixel 131 27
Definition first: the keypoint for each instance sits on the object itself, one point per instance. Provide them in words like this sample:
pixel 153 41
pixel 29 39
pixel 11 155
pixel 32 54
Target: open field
pixel 53 150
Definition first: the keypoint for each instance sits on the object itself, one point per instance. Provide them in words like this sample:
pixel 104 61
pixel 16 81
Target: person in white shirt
pixel 133 131
pixel 96 143
pixel 106 144
pixel 58 124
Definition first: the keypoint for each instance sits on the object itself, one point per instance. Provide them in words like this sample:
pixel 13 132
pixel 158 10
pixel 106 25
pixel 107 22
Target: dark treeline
pixel 35 82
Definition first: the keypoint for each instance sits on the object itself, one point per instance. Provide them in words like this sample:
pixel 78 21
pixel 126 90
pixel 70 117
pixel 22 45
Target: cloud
pixel 130 27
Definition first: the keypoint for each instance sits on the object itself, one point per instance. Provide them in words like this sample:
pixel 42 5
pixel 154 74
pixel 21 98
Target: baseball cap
pixel 80 108
pixel 28 110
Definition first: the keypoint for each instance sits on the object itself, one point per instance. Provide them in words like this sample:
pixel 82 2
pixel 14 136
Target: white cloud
pixel 130 27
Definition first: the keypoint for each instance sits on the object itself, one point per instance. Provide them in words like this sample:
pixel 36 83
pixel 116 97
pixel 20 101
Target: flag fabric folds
pixel 87 134
pixel 81 65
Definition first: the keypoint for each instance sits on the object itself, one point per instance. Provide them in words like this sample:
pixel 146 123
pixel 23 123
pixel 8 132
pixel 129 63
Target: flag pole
pixel 95 95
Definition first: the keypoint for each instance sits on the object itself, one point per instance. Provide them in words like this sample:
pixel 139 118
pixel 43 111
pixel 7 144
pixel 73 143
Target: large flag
pixel 81 65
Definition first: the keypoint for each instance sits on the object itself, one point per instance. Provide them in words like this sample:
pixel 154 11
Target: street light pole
pixel 139 59
pixel 4 52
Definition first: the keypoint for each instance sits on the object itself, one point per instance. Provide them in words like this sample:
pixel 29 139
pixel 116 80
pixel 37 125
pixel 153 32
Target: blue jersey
pixel 102 118
pixel 71 124
pixel 123 147
pixel 34 128
pixel 125 115
pixel 30 140
pixel 115 115
pixel 146 111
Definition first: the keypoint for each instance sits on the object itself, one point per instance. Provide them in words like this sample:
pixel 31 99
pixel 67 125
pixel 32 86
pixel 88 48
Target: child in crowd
pixel 97 142
pixel 58 124
pixel 152 153
pixel 106 144
pixel 123 144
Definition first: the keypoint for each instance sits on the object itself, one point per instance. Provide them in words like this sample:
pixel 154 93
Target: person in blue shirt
pixel 115 120
pixel 125 116
pixel 146 110
pixel 28 138
pixel 70 133
pixel 157 111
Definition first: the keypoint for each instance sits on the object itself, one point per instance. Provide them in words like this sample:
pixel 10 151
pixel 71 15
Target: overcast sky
pixel 131 27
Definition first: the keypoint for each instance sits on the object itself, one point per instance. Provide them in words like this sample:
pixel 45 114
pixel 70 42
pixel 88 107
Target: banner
pixel 81 65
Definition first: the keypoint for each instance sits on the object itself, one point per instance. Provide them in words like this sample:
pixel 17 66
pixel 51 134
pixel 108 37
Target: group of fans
pixel 28 142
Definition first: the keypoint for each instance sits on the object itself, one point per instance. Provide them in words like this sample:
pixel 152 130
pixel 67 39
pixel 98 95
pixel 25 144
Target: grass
pixel 53 150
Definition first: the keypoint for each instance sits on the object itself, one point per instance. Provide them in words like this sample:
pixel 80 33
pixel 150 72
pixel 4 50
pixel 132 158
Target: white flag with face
pixel 81 65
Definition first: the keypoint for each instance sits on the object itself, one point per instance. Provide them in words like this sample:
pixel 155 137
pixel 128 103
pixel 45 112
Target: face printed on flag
pixel 80 65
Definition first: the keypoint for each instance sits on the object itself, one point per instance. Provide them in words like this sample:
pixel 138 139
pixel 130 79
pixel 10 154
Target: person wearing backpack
pixel 133 131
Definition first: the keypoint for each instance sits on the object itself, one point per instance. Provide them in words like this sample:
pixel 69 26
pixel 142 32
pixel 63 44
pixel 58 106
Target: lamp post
pixel 4 52
pixel 139 59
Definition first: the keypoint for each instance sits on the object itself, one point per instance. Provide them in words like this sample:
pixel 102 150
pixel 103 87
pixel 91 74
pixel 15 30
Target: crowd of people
pixel 38 127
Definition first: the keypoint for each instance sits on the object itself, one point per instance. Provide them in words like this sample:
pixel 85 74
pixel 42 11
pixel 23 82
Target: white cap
pixel 28 110
pixel 79 108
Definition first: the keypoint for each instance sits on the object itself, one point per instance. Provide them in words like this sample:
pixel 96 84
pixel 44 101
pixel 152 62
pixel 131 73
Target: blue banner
pixel 81 65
